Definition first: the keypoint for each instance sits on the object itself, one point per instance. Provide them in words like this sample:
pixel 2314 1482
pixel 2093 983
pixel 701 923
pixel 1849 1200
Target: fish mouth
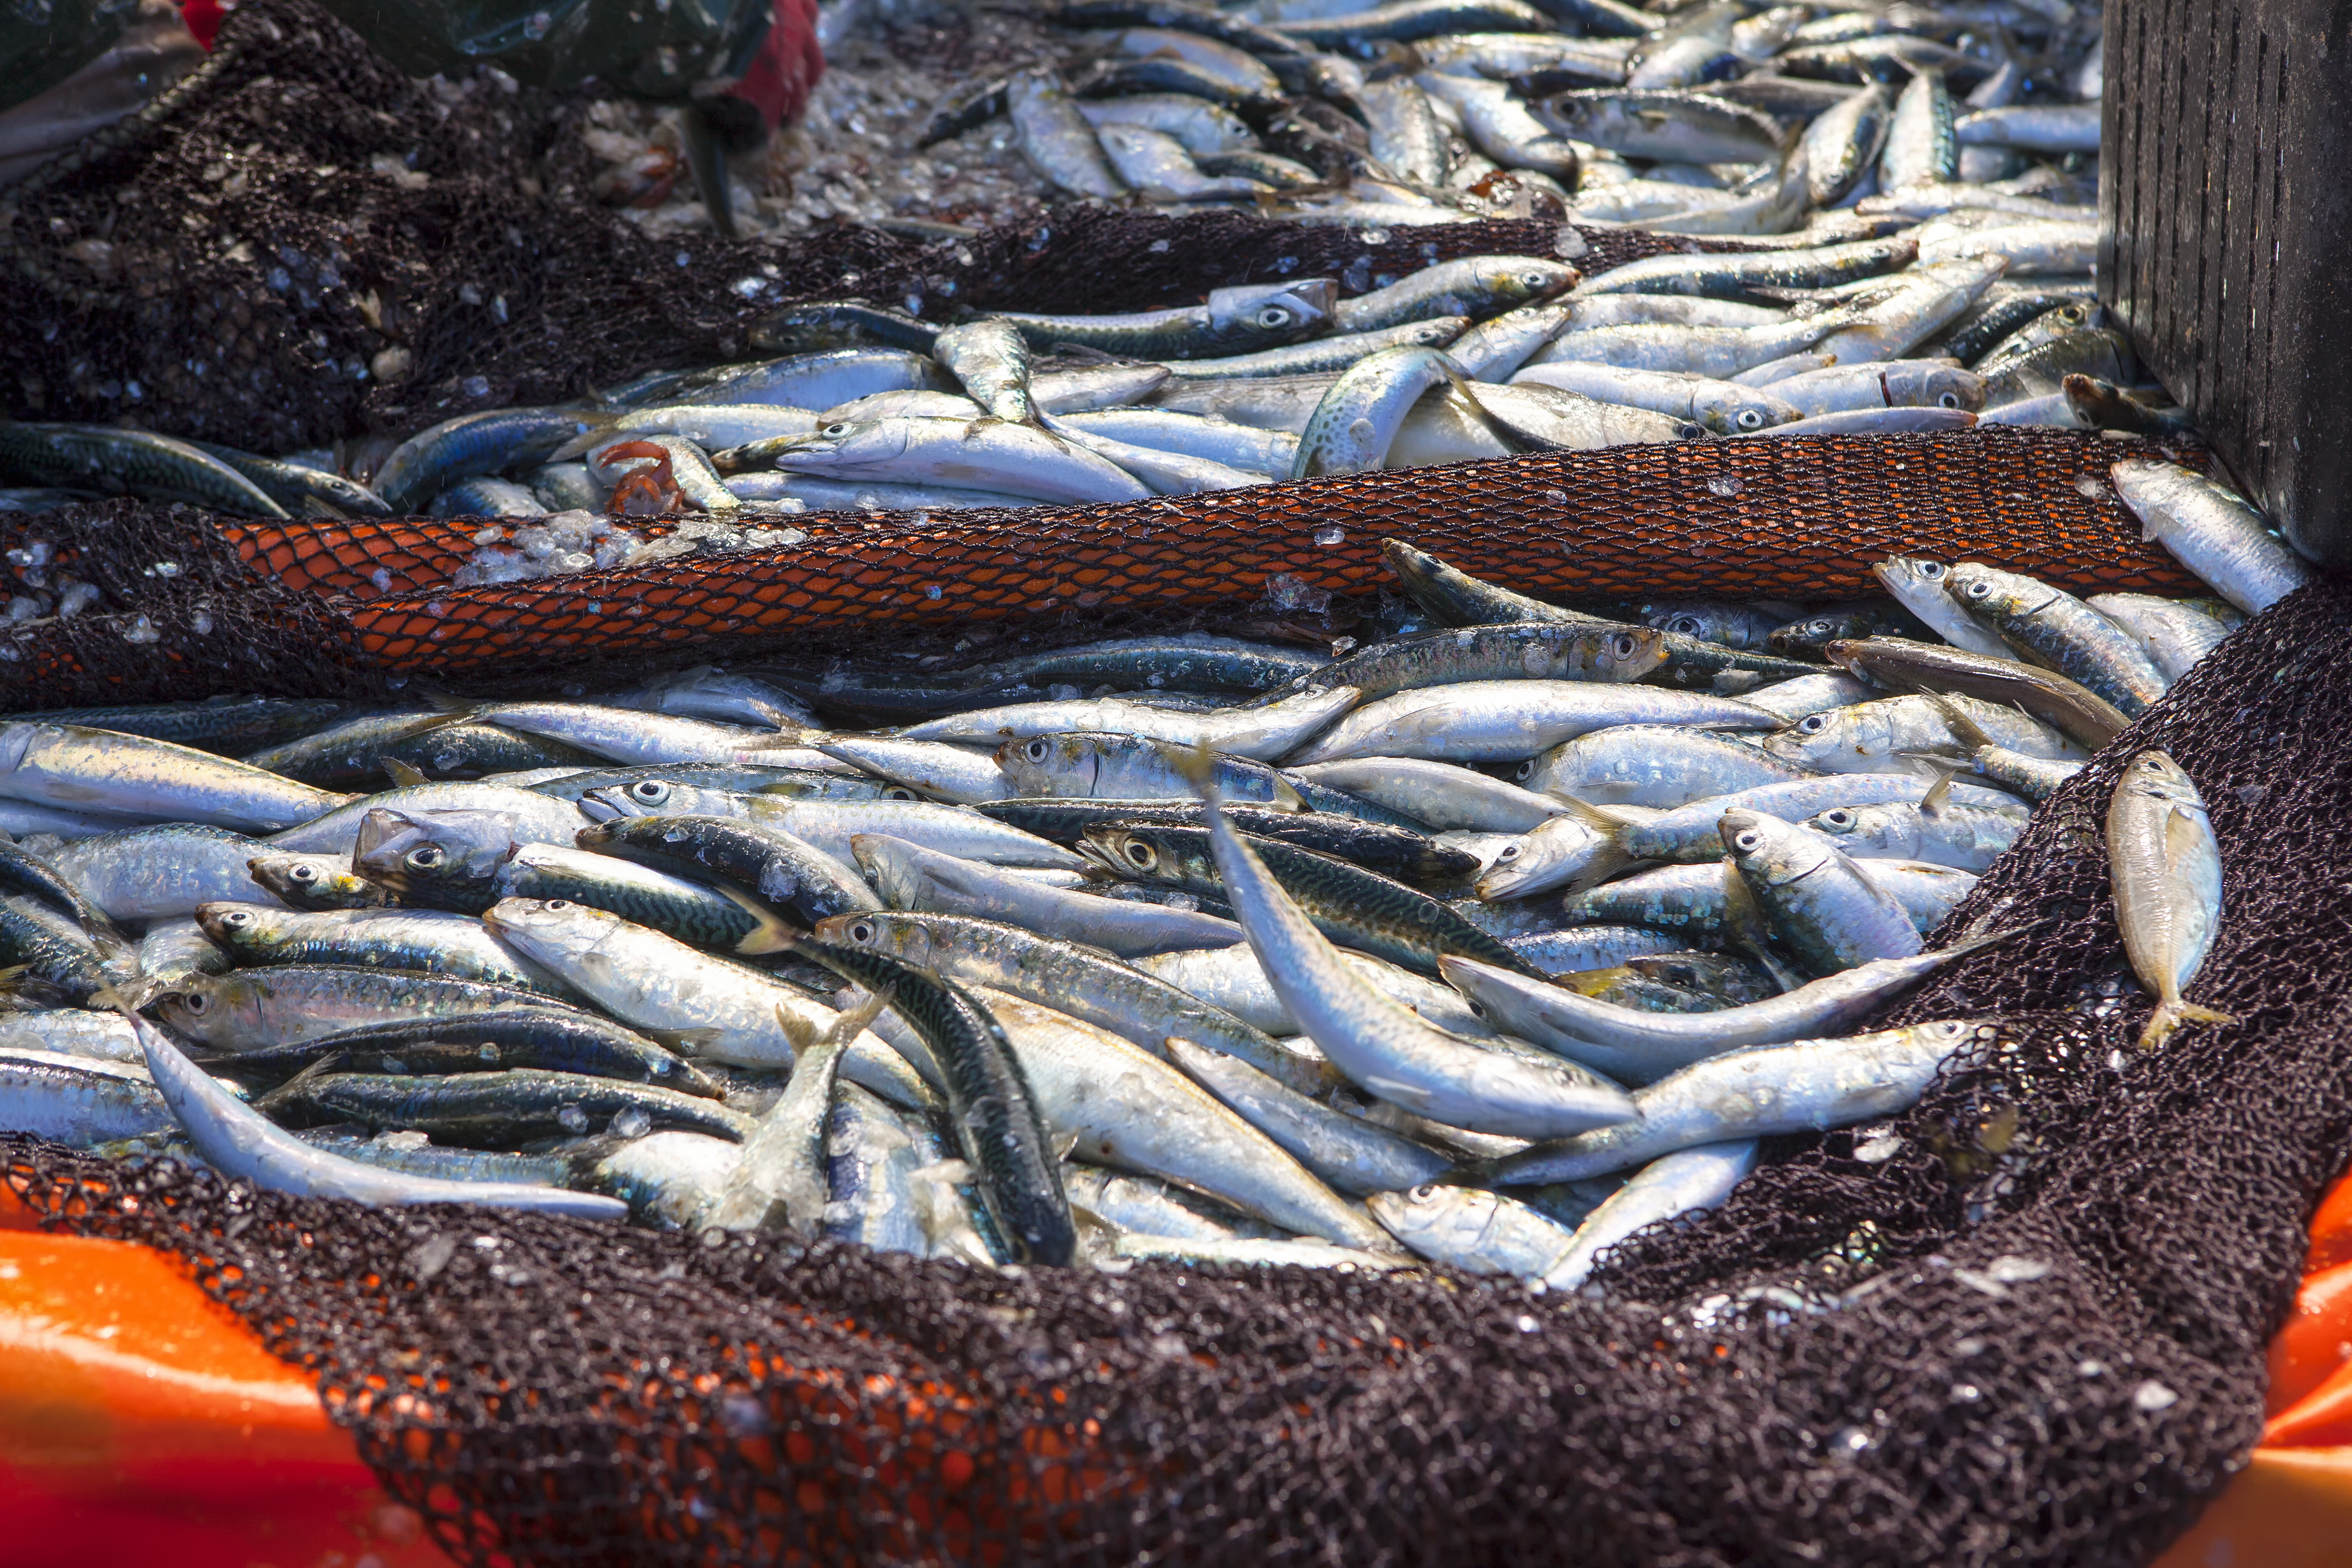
pixel 1101 858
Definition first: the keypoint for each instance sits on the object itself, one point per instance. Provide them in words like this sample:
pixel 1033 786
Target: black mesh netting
pixel 2034 1334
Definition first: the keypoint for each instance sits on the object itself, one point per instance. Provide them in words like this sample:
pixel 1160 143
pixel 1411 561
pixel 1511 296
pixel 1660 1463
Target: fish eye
pixel 1142 853
pixel 1947 400
pixel 1510 852
pixel 237 918
pixel 1978 590
pixel 1526 769
pixel 1749 419
pixel 554 905
pixel 839 428
pixel 1533 280
pixel 1687 625
pixel 653 791
pixel 1933 570
pixel 899 792
pixel 193 1001
pixel 1424 1193
pixel 1838 817
pixel 303 873
pixel 425 857
pixel 1748 839
pixel 861 932
pixel 1035 751
pixel 1622 645
pixel 1274 316
pixel 1811 724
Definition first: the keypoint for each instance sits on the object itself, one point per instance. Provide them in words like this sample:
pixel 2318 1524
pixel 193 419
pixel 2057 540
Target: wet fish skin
pixel 134 776
pixel 313 882
pixel 1472 1230
pixel 2166 866
pixel 1804 1086
pixel 992 1106
pixel 78 1100
pixel 1688 1181
pixel 495 1109
pixel 555 1040
pixel 1347 903
pixel 433 941
pixel 777 868
pixel 2050 627
pixel 1901 664
pixel 1692 834
pixel 1825 907
pixel 911 877
pixel 1654 766
pixel 1405 854
pixel 141 462
pixel 1499 721
pixel 1081 981
pixel 1918 583
pixel 1260 733
pixel 2174 634
pixel 473 444
pixel 1637 1046
pixel 240 1142
pixel 2210 531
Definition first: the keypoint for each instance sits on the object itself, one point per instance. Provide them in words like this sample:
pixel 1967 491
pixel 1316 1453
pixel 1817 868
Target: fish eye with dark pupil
pixel 425 857
pixel 1142 853
pixel 1748 840
pixel 1036 751
pixel 861 932
pixel 303 873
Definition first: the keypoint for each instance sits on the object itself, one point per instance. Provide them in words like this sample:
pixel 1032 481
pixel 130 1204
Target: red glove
pixel 204 19
pixel 781 75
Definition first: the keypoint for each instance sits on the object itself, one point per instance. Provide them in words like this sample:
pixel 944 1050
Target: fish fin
pixel 2170 1016
pixel 2182 837
pixel 1287 798
pixel 1939 794
pixel 770 935
pixel 404 775
pixel 315 506
pixel 1965 730
pixel 1988 939
pixel 1063 1146
pixel 800 1032
pixel 1600 819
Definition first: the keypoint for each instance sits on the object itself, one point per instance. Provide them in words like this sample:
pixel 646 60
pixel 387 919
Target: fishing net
pixel 2021 1324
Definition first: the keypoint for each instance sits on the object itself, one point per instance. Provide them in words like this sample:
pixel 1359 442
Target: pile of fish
pixel 1486 942
pixel 1714 117
pixel 1898 273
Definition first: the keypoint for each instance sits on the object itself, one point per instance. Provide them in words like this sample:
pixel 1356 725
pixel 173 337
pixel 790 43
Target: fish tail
pixel 2170 1016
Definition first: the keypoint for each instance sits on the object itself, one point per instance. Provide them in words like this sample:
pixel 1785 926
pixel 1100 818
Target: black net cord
pixel 2035 1335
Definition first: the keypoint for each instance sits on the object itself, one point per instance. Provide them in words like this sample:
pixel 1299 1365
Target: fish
pixel 1499 721
pixel 1688 1181
pixel 242 1143
pixel 2174 634
pixel 433 941
pixel 135 776
pixel 1472 1230
pixel 2166 868
pixel 911 877
pixel 992 1106
pixel 2050 627
pixel 1260 733
pixel 1635 1047
pixel 1902 664
pixel 1802 1086
pixel 2211 531
pixel 1383 1047
pixel 1819 904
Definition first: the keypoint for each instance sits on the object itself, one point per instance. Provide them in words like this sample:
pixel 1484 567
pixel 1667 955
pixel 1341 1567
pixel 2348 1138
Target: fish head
pixel 1579 118
pixel 1815 632
pixel 663 797
pixel 1769 850
pixel 219 1009
pixel 1436 1220
pixel 1739 411
pixel 1124 852
pixel 879 931
pixel 1619 655
pixel 1536 861
pixel 2156 776
pixel 1937 386
pixel 844 443
pixel 413 851
pixel 1725 624
pixel 1271 314
pixel 1993 596
pixel 1832 739
pixel 555 933
pixel 1064 765
pixel 1524 279
pixel 231 924
pixel 15 741
pixel 1841 821
pixel 1906 575
pixel 313 882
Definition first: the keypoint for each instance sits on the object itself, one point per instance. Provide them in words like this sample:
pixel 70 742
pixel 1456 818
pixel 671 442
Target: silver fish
pixel 2167 869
